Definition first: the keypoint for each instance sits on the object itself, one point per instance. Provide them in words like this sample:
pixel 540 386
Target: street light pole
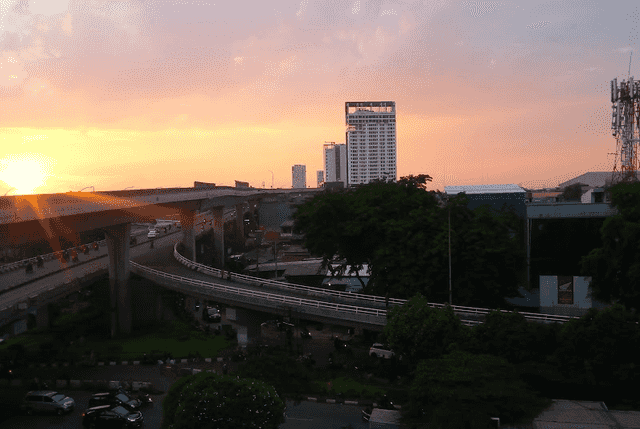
pixel 271 178
pixel 449 255
pixel 5 194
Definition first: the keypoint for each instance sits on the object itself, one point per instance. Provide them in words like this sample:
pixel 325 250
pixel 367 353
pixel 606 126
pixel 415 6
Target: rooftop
pixel 483 189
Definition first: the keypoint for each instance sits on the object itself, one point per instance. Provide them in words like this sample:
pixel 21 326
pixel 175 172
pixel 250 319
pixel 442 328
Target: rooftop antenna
pixel 629 73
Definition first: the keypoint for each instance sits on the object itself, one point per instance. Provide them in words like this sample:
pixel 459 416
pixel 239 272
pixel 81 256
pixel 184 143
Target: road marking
pixel 295 418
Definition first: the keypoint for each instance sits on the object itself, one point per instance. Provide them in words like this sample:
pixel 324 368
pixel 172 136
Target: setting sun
pixel 24 173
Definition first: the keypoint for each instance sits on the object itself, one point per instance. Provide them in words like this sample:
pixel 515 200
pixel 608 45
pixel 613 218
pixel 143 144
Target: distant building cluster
pixel 299 176
pixel 369 151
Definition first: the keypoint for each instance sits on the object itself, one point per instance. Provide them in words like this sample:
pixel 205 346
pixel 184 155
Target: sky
pixel 105 95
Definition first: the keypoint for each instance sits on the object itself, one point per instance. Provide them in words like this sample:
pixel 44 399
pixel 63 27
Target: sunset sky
pixel 161 93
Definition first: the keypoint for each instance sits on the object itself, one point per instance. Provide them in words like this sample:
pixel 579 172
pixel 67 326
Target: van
pixel 381 351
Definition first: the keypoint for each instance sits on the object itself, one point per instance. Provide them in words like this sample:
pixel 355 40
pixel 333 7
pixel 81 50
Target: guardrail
pixel 257 281
pixel 265 299
pixel 45 258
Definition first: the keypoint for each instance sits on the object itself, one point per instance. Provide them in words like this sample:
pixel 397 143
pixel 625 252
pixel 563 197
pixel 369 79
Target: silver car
pixel 47 401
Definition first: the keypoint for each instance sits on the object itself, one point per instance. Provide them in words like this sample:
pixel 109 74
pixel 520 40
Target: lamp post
pixel 271 178
pixel 449 253
pixel 5 194
pixel 87 187
pixel 443 203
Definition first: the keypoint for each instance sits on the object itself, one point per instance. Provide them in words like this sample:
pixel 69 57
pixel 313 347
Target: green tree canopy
pixel 572 192
pixel 601 347
pixel 615 267
pixel 208 400
pixel 462 390
pixel 401 231
pixel 417 331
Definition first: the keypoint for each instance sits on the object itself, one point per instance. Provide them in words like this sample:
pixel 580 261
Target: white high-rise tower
pixel 299 176
pixel 335 162
pixel 371 141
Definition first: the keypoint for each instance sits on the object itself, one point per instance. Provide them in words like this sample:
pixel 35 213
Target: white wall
pixel 549 296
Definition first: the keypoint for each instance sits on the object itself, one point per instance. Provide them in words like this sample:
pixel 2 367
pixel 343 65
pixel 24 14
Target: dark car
pixel 342 345
pixel 107 417
pixel 213 314
pixel 47 401
pixel 115 398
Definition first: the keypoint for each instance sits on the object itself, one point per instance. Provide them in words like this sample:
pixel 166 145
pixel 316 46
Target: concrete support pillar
pixel 528 238
pixel 187 220
pixel 246 322
pixel 42 316
pixel 240 219
pixel 253 207
pixel 159 307
pixel 118 247
pixel 218 236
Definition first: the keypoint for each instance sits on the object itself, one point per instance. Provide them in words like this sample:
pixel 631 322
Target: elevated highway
pixel 50 217
pixel 168 268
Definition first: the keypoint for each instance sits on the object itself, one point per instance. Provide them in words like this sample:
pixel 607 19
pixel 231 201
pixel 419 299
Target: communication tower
pixel 625 127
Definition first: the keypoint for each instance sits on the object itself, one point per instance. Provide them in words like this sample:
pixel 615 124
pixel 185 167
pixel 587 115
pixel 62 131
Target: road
pixel 305 414
pixel 71 271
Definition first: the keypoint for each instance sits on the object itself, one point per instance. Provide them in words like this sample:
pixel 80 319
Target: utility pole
pixel 449 255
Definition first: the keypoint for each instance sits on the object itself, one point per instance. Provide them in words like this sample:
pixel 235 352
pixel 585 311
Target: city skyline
pixel 114 95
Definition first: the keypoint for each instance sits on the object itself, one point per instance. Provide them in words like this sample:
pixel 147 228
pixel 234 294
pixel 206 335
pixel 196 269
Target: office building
pixel 371 141
pixel 299 176
pixel 320 176
pixel 335 162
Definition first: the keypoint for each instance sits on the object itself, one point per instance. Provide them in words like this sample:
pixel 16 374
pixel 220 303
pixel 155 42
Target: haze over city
pixel 137 94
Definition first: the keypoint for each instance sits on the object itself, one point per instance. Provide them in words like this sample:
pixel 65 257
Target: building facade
pixel 335 162
pixel 299 176
pixel 493 195
pixel 371 141
pixel 320 176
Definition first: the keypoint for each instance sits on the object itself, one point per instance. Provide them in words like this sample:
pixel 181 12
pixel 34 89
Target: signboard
pixel 271 235
pixel 565 290
pixel 231 313
pixel 19 327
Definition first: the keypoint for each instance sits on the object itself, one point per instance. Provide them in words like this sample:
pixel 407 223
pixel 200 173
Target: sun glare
pixel 25 173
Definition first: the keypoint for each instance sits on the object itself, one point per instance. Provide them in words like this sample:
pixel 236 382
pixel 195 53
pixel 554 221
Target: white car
pixel 381 351
pixel 152 233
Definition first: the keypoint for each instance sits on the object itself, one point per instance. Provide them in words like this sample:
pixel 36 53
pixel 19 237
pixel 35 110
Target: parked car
pixel 304 333
pixel 47 401
pixel 381 351
pixel 342 345
pixel 152 233
pixel 115 398
pixel 213 314
pixel 108 416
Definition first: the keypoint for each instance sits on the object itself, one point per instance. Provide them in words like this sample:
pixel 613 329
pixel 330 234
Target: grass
pixel 350 388
pixel 175 338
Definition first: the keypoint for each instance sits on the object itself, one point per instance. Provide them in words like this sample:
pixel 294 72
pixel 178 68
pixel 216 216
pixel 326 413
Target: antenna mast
pixel 625 127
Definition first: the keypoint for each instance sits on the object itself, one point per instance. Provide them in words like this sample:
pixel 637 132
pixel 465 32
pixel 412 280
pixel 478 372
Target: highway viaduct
pixel 31 218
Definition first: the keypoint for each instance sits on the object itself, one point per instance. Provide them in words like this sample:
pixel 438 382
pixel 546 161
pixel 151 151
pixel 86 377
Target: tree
pixel 400 231
pixel 601 347
pixel 572 192
pixel 417 182
pixel 208 400
pixel 510 336
pixel 416 331
pixel 615 267
pixel 462 390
